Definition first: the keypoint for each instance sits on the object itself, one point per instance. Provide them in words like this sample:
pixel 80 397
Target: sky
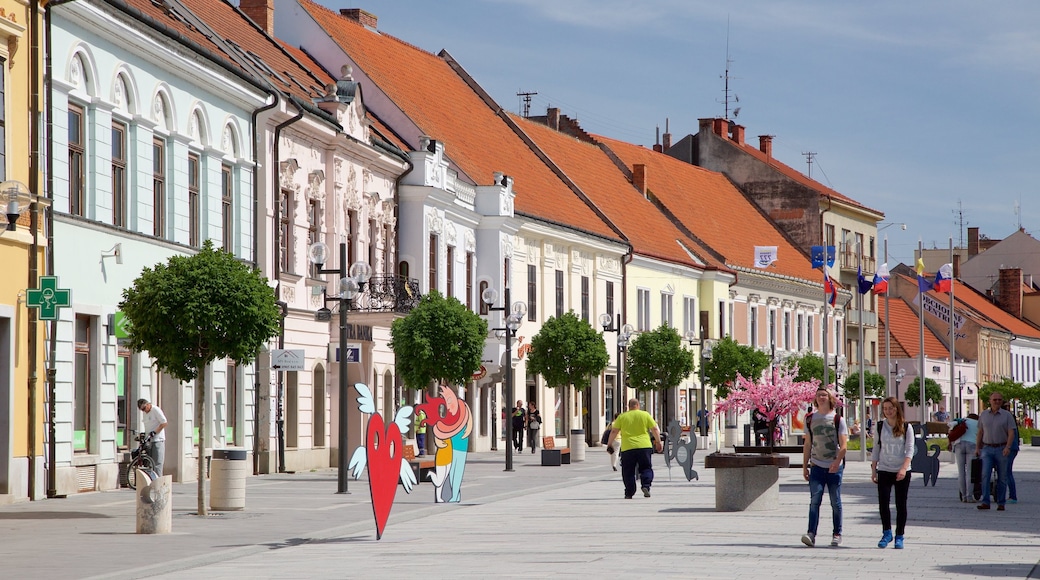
pixel 924 110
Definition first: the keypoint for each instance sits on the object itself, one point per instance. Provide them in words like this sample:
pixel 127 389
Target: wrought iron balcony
pixel 388 293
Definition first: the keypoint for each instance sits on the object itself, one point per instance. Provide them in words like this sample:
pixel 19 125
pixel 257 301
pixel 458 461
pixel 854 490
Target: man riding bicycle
pixel 155 426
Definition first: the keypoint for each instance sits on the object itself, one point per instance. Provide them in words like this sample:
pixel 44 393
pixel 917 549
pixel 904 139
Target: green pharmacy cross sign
pixel 49 298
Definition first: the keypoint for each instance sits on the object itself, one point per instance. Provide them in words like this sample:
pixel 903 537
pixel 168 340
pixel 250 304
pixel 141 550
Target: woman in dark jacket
pixel 534 424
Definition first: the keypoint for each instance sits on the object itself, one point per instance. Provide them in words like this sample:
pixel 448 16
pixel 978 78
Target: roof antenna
pixel 960 221
pixel 525 102
pixel 726 78
pixel 809 155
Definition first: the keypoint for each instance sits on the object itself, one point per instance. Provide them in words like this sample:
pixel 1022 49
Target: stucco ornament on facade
pixel 227 141
pixel 469 241
pixel 315 182
pixel 119 93
pixel 451 235
pixel 608 264
pixel 581 262
pixel 434 222
pixel 76 71
pixel 287 174
pixel 159 110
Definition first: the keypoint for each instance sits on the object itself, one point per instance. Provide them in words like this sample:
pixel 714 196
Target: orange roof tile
pixel 976 301
pixel 649 231
pixel 444 106
pixel 715 211
pixel 905 332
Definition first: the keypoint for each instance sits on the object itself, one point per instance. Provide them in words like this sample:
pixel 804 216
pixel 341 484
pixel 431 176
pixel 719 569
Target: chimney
pixel 765 145
pixel 657 140
pixel 639 177
pixel 956 266
pixel 737 135
pixel 261 12
pixel 718 126
pixel 973 242
pixel 666 144
pixel 552 118
pixel 1010 291
pixel 366 19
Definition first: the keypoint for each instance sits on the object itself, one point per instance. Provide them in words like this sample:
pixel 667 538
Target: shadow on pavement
pixel 994 570
pixel 49 515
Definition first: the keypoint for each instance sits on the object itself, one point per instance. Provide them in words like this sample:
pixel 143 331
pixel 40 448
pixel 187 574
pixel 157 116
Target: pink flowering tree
pixel 777 395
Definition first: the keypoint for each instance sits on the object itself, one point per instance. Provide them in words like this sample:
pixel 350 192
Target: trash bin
pixel 227 483
pixel 577 445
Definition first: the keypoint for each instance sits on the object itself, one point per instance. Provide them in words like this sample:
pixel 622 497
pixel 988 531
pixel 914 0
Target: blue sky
pixel 919 109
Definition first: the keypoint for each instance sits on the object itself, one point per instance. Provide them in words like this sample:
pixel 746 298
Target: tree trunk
pixel 772 434
pixel 200 406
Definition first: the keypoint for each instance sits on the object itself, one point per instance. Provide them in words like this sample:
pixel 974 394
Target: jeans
pixel 518 437
pixel 633 460
pixel 420 441
pixel 820 477
pixel 158 454
pixel 886 480
pixel 1012 492
pixel 532 439
pixel 994 457
pixel 964 452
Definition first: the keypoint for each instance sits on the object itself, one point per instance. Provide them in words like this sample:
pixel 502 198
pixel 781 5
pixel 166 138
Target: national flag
pixel 881 280
pixel 864 284
pixel 923 285
pixel 944 278
pixel 822 255
pixel 829 288
pixel 764 256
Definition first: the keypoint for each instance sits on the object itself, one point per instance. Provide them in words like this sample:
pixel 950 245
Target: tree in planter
pixel 567 351
pixel 774 396
pixel 932 392
pixel 730 360
pixel 440 340
pixel 657 361
pixel 197 309
pixel 873 386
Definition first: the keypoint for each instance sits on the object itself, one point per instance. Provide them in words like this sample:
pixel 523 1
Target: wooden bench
pixel 421 466
pixel 553 456
pixel 776 449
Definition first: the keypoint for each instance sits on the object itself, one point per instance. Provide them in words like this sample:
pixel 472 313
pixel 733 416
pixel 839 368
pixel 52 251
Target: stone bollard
pixel 154 505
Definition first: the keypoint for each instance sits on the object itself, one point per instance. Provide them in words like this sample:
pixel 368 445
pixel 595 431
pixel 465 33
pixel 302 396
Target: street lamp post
pixel 624 337
pixel 352 282
pixel 705 344
pixel 511 324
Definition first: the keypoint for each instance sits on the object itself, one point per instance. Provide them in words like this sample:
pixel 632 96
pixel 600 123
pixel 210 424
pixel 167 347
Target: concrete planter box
pixel 746 482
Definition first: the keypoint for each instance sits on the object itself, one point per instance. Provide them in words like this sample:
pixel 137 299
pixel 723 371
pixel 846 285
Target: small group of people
pixel 993 437
pixel 824 449
pixel 527 420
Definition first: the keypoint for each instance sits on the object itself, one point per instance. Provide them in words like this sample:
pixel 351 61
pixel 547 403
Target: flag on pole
pixel 864 284
pixel 923 285
pixel 944 278
pixel 764 256
pixel 830 289
pixel 881 280
pixel 822 255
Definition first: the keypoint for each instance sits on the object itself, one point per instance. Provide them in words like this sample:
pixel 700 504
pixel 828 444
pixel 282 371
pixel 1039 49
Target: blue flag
pixel 821 255
pixel 864 284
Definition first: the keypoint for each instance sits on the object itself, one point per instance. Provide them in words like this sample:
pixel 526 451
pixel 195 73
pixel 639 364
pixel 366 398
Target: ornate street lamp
pixel 512 324
pixel 624 337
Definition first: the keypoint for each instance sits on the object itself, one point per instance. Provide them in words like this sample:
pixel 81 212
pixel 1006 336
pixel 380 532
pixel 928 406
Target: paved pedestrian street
pixel 569 521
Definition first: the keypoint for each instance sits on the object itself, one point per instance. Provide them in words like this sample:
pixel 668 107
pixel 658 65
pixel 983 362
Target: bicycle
pixel 139 459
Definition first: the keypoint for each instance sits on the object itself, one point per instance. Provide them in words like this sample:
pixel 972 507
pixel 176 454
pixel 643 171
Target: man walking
pixel 993 445
pixel 155 424
pixel 823 462
pixel 636 428
pixel 519 419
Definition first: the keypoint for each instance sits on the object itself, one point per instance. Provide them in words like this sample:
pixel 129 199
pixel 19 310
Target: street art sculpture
pixel 680 451
pixel 382 453
pixel 451 423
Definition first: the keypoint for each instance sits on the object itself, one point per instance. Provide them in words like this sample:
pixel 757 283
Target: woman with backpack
pixel 890 467
pixel 823 462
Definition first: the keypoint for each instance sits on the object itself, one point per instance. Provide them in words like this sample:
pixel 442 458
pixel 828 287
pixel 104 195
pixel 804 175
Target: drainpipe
pixel 279 418
pixel 34 249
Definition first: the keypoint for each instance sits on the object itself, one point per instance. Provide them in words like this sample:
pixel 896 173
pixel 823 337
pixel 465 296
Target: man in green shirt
pixel 636 428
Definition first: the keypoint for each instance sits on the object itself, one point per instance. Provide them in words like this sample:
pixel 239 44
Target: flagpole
pixel 862 394
pixel 953 334
pixel 888 338
pixel 920 318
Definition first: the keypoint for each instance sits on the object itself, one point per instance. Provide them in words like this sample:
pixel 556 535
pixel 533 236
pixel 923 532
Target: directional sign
pixel 288 359
pixel 48 298
pixel 121 325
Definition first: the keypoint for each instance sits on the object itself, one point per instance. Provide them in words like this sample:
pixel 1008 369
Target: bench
pixel 421 466
pixel 763 450
pixel 553 456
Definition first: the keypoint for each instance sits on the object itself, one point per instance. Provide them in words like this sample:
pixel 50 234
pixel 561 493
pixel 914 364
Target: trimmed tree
pixel 774 397
pixel 873 385
pixel 657 361
pixel 932 392
pixel 194 310
pixel 440 340
pixel 567 351
pixel 730 360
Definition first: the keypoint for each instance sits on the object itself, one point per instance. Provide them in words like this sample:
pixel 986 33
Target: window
pixel 354 225
pixel 449 271
pixel 753 321
pixel 77 152
pixel 291 416
pixel 772 328
pixel 800 333
pixel 690 315
pixel 787 330
pixel 829 234
pixel 373 234
pixel 585 298
pixel 232 403
pixel 119 175
pixel 642 309
pixel 469 280
pixel 610 299
pixel 559 293
pixel 388 238
pixel 666 309
pixel 532 293
pixel 285 230
pixel 193 199
pixel 227 211
pixel 723 327
pixel 505 273
pixel 318 409
pixel 433 262
pixel 158 187
pixel 85 348
pixel 482 287
pixel 313 230
pixel 809 334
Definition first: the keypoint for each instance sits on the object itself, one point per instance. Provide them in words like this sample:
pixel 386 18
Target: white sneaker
pixel 809 540
pixel 836 540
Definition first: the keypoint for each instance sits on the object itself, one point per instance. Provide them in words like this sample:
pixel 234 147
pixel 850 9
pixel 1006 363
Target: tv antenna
pixel 726 78
pixel 525 102
pixel 809 156
pixel 960 221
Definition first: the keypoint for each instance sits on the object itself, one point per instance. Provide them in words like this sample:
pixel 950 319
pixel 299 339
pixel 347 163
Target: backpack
pixel 808 428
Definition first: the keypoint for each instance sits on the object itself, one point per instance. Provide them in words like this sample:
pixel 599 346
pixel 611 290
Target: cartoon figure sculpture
pixel 681 452
pixel 383 455
pixel 451 424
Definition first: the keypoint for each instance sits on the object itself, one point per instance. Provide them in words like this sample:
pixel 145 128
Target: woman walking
pixel 534 423
pixel 964 452
pixel 890 467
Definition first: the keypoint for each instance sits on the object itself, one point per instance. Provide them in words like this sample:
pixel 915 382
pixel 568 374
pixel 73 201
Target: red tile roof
pixel 715 211
pixel 649 231
pixel 969 297
pixel 444 106
pixel 905 332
